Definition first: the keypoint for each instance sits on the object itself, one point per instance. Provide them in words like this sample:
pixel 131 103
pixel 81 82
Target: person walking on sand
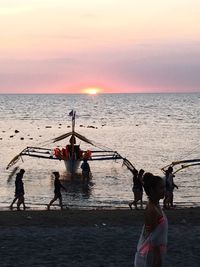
pixel 137 187
pixel 19 190
pixel 152 245
pixel 57 193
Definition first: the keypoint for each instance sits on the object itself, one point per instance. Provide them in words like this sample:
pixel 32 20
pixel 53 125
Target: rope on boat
pixel 189 153
pixel 183 162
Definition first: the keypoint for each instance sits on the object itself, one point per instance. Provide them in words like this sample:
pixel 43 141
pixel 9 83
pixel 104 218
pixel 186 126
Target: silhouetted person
pixel 137 187
pixel 57 193
pixel 85 170
pixel 19 190
pixel 170 185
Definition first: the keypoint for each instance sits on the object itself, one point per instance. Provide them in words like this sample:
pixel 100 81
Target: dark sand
pixel 91 238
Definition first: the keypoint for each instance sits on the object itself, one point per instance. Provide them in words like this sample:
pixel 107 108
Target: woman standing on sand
pixel 152 244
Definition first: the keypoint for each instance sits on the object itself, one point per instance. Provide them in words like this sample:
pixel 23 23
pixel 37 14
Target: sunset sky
pixel 68 46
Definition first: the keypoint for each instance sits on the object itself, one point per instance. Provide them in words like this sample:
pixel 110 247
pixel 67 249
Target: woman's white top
pixel 145 255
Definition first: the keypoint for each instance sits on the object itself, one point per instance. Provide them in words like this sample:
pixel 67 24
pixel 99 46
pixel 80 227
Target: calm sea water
pixel 151 130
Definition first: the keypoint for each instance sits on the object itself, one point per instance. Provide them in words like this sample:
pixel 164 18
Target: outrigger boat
pixel 71 154
pixel 182 164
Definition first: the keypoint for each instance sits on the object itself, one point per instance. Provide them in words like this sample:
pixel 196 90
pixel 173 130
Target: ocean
pixel 151 130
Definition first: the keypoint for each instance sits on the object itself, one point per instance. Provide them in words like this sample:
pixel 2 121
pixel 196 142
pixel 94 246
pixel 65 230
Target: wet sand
pixel 91 238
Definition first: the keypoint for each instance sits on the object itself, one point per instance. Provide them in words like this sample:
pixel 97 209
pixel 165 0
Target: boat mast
pixel 73 159
pixel 73 121
pixel 73 130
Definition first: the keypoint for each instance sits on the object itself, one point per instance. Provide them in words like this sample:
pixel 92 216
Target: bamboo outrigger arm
pixel 13 161
pixel 182 164
pixel 128 164
pixel 46 153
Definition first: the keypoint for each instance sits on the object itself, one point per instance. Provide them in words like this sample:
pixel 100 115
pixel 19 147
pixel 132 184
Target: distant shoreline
pixel 128 93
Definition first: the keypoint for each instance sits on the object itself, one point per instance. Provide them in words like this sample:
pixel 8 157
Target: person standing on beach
pixel 19 190
pixel 170 185
pixel 152 245
pixel 137 187
pixel 57 193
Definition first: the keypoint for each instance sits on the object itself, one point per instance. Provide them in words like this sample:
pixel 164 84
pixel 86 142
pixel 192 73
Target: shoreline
pixel 85 217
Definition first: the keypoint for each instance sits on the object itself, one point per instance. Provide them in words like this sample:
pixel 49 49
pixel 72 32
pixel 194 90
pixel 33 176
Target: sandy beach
pixel 91 238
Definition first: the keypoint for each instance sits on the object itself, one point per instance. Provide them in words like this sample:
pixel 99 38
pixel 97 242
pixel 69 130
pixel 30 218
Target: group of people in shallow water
pixel 152 244
pixel 19 187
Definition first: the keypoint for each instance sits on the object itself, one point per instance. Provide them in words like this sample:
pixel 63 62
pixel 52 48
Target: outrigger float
pixel 71 154
pixel 181 164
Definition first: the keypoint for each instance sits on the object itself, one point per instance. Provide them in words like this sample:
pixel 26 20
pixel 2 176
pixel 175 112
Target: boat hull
pixel 72 166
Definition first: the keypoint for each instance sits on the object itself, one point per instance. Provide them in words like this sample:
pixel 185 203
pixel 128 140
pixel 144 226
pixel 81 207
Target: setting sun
pixel 91 91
